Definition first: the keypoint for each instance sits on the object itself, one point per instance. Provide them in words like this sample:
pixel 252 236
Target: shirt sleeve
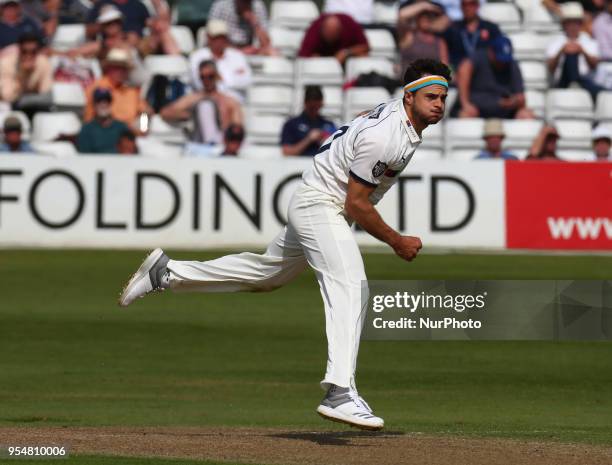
pixel 241 77
pixel 357 34
pixel 216 11
pixel 591 47
pixel 517 79
pixel 371 159
pixel 554 47
pixel 311 40
pixel 262 14
pixel 288 134
pixel 84 140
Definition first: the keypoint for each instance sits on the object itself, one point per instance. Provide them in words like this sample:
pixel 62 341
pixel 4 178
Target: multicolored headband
pixel 426 81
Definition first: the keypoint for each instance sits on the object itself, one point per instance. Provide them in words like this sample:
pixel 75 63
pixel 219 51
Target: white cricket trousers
pixel 319 235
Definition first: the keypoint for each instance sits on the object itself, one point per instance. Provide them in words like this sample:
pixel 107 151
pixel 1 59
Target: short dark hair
pixel 234 132
pixel 127 134
pixel 313 93
pixel 205 63
pixel 29 37
pixel 426 66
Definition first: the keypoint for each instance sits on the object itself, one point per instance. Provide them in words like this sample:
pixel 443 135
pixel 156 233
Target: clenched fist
pixel 407 247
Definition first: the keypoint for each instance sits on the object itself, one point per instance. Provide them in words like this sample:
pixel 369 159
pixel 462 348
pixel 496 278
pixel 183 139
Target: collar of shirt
pixel 412 134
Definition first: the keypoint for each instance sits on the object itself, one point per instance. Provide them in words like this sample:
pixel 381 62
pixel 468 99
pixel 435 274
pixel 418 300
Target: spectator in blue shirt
pixel 493 136
pixel 466 36
pixel 103 133
pixel 14 23
pixel 12 137
pixel 304 134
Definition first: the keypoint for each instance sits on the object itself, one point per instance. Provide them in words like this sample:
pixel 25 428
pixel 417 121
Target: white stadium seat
pixel 386 13
pixel 68 36
pixel 48 126
pixel 287 41
pixel 433 136
pixel 463 154
pixel 270 99
pixel 67 95
pixel 295 14
pixel 576 155
pixel 363 65
pixel 538 19
pixel 167 65
pixel 333 102
pixel 463 133
pixel 150 147
pixel 164 131
pixel 23 119
pixel 184 38
pixel 575 134
pixel 60 149
pixel 603 74
pixel 360 99
pixel 261 152
pixel 273 70
pixel 382 43
pixel 603 109
pixel 536 101
pixel 201 37
pixel 535 75
pixel 505 14
pixel 529 45
pixel 450 100
pixel 520 133
pixel 426 154
pixel 319 70
pixel 569 104
pixel 264 129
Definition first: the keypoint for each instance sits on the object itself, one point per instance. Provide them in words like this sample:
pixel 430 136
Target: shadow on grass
pixel 336 438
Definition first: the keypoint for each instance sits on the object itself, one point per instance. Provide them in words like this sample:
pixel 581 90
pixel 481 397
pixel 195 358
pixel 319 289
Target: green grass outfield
pixel 70 356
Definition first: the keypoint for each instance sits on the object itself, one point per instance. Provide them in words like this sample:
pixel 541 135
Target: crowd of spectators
pixel 211 101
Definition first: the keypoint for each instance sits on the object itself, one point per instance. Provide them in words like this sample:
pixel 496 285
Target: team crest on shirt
pixel 379 168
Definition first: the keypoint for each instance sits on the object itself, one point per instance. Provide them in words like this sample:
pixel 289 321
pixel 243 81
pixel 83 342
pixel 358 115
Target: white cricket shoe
pixel 151 276
pixel 344 405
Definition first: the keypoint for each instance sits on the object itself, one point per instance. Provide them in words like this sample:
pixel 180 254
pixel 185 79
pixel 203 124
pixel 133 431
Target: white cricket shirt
pixel 373 149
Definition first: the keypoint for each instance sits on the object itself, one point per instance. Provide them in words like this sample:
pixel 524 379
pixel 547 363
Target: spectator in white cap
pixel 231 63
pixel 602 141
pixel 135 16
pixel 573 57
pixel 111 35
pixel 494 136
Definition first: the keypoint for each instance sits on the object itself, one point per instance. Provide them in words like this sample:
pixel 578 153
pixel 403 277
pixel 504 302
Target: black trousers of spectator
pixel 570 73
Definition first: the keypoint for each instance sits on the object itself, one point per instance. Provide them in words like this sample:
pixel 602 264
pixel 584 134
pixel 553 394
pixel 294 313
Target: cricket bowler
pixel 352 171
